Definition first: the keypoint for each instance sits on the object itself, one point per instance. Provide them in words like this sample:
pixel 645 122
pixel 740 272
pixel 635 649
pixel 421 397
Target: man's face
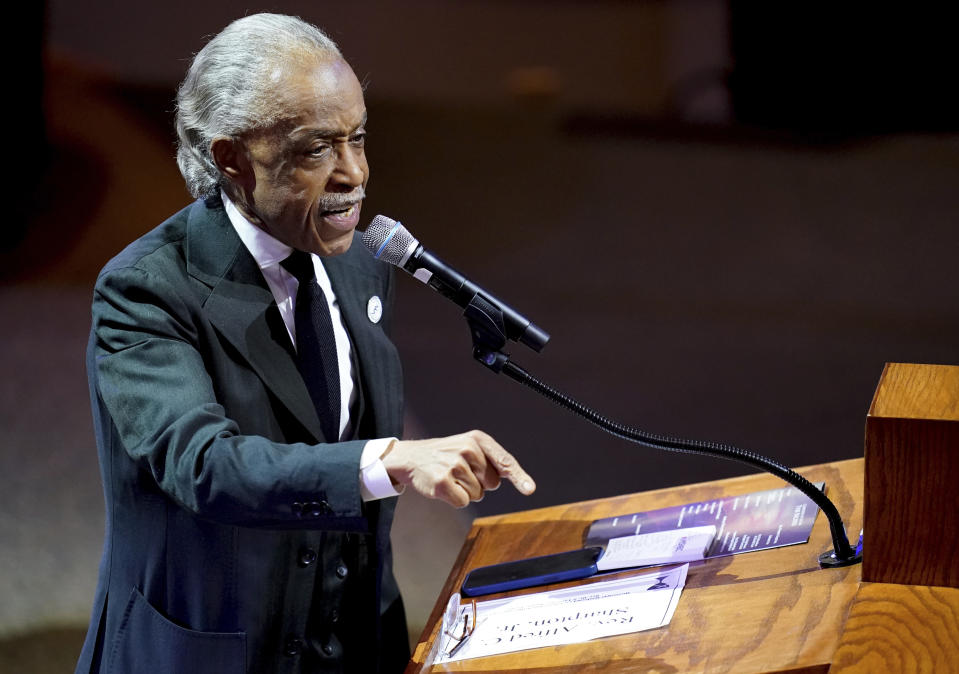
pixel 305 176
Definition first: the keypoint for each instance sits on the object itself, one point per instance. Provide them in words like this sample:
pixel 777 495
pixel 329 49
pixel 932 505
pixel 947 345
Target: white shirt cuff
pixel 375 482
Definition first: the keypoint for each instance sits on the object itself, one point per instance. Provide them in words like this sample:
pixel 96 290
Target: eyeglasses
pixel 458 623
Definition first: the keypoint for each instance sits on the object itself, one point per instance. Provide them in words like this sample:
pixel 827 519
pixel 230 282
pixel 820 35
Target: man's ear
pixel 231 159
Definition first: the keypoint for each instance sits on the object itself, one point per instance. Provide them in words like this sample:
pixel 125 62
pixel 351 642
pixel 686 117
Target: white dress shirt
pixel 269 252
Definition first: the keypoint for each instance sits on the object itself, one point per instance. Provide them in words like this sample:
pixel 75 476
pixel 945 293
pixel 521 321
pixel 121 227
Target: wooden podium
pixel 776 610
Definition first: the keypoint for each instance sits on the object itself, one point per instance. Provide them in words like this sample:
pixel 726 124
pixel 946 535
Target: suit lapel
pixel 242 308
pixel 378 363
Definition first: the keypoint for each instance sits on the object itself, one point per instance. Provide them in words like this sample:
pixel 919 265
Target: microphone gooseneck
pixel 842 554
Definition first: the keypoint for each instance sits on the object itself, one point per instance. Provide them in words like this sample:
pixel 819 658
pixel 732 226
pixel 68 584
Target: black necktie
pixel 315 345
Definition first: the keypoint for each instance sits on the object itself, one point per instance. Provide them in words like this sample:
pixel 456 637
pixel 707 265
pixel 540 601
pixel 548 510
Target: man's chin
pixel 336 245
pixel 336 231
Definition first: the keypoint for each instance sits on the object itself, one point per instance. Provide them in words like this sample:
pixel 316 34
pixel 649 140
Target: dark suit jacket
pixel 236 538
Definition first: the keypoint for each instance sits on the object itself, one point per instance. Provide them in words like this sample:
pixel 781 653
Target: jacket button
pixel 342 571
pixel 307 557
pixel 328 650
pixel 293 647
pixel 335 616
pixel 317 509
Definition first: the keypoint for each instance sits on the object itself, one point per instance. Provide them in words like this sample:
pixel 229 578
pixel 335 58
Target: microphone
pixel 391 242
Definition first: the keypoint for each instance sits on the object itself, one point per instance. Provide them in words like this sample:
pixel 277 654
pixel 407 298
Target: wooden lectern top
pixel 766 611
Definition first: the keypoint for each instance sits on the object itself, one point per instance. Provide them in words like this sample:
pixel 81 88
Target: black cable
pixel 843 553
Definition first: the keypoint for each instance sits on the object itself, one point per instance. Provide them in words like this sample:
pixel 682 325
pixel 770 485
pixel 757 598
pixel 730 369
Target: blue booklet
pixel 757 521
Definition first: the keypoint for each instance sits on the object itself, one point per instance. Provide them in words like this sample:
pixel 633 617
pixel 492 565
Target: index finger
pixel 507 466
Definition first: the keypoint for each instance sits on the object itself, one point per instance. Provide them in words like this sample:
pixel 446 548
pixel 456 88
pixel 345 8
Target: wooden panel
pixel 911 391
pixel 769 611
pixel 900 628
pixel 912 473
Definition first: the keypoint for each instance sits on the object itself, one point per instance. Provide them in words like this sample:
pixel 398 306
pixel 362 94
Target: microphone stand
pixel 487 329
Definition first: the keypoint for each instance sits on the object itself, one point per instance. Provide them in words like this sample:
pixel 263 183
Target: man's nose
pixel 349 172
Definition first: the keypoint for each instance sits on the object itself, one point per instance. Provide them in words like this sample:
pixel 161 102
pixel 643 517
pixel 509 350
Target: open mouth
pixel 343 218
pixel 341 212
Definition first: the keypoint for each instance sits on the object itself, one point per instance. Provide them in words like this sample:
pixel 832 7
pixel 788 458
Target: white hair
pixel 230 87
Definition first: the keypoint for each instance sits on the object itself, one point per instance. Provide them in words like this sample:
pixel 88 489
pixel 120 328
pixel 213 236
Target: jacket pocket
pixel 149 643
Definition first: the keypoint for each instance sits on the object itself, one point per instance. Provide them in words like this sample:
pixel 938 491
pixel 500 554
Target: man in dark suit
pixel 247 399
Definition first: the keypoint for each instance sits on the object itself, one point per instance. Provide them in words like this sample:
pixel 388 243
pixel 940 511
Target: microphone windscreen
pixel 389 240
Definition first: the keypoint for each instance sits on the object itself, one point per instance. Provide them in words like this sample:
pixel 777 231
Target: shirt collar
pixel 265 249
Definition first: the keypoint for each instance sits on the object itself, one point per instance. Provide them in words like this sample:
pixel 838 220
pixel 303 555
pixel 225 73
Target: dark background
pixel 728 217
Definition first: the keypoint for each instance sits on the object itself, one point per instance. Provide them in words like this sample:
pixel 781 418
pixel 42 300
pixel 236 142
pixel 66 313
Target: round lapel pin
pixel 374 309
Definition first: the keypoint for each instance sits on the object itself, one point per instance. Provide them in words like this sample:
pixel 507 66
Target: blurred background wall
pixel 729 217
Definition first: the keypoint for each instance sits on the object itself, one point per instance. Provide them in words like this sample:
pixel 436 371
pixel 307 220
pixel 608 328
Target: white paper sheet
pixel 566 616
pixel 660 547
